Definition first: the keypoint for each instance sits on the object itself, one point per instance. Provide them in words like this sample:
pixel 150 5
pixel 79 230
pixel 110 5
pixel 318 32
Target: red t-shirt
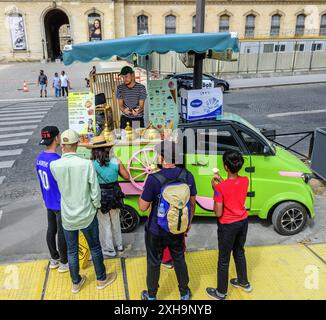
pixel 232 193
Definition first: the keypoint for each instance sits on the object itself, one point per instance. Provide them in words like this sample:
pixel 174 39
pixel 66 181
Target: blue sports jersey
pixel 49 186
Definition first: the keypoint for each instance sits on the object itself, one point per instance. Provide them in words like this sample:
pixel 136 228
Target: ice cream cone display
pixel 151 133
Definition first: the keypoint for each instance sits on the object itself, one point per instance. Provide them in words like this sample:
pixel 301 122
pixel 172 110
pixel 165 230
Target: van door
pixel 204 151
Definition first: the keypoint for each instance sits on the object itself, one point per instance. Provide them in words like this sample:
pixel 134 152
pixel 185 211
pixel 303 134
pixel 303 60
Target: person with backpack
pixel 171 195
pixel 229 206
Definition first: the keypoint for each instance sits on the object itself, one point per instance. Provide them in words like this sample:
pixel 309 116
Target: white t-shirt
pixel 64 80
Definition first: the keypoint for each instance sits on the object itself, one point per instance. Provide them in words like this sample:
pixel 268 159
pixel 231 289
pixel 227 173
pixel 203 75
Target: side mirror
pixel 267 151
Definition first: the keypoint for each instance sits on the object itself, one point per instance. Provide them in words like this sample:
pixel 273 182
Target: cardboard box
pixel 201 104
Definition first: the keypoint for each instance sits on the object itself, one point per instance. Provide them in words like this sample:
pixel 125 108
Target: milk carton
pixel 201 104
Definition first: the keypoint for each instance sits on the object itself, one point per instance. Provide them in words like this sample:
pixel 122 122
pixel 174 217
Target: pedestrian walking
pixel 229 206
pixel 42 82
pixel 80 200
pixel 171 195
pixel 56 85
pixel 108 169
pixel 52 198
pixel 65 83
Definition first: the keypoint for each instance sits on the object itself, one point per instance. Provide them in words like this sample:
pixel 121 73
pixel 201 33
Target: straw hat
pixel 100 142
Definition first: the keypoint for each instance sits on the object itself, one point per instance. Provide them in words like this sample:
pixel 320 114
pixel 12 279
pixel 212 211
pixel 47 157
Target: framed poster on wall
pixel 17 31
pixel 94 27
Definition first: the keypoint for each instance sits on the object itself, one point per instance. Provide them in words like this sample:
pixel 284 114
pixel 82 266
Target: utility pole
pixel 199 57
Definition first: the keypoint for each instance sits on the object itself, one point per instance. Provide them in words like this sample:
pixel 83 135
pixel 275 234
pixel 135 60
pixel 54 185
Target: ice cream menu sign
pixel 163 107
pixel 81 110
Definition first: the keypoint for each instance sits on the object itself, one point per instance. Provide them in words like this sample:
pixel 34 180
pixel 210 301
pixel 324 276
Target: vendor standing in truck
pixel 131 97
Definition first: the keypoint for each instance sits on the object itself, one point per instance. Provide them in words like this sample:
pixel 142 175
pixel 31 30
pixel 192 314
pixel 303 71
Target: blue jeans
pixel 57 92
pixel 91 234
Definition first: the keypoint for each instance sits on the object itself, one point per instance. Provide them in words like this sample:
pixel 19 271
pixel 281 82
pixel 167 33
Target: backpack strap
pixel 183 176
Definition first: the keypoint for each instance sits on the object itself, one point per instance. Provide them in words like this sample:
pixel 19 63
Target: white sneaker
pixel 109 253
pixel 63 267
pixel 120 248
pixel 54 264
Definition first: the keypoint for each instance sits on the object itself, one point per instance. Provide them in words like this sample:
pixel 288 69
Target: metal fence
pixel 252 58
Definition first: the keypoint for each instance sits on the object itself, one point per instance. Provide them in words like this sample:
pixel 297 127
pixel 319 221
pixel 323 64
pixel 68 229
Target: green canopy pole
pixel 200 27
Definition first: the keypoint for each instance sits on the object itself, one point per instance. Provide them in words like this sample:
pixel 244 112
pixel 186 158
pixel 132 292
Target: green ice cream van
pixel 279 186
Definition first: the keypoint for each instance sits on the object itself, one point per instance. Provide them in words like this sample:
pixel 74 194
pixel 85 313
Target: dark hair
pixel 102 155
pixel 233 160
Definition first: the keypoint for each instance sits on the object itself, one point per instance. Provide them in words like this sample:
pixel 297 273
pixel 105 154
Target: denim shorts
pixel 42 86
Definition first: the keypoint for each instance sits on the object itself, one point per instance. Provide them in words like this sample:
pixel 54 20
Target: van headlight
pixel 307 177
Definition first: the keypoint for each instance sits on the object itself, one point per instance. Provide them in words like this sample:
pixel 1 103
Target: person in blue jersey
pixel 52 198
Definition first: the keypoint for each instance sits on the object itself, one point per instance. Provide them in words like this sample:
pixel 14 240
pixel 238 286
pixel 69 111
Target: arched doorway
pixel 57 32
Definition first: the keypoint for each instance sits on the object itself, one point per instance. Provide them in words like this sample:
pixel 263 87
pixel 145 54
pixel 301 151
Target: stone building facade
pixel 32 30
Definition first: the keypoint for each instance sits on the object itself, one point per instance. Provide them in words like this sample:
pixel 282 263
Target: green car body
pixel 278 180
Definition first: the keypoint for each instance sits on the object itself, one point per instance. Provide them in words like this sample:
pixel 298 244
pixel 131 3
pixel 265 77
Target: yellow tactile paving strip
pixel 22 281
pixel 275 272
pixel 319 249
pixel 59 285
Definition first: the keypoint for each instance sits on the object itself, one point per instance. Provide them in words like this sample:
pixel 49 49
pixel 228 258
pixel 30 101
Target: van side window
pixel 213 141
pixel 254 146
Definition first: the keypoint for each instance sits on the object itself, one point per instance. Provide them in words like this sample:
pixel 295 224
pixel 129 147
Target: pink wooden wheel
pixel 141 164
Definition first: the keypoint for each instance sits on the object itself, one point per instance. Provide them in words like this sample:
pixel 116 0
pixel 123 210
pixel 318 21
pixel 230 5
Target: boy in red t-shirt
pixel 229 207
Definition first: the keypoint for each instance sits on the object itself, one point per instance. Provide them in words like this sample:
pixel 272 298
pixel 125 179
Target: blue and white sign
pixel 201 104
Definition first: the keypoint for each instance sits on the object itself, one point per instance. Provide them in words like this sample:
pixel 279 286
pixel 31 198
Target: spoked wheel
pixel 141 164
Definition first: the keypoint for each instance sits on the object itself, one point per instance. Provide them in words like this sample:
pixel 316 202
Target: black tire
pixel 129 219
pixel 289 218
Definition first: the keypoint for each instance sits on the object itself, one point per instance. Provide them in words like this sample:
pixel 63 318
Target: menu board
pixel 163 106
pixel 81 111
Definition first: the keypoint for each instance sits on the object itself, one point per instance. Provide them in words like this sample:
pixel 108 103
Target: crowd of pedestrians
pixel 60 84
pixel 84 196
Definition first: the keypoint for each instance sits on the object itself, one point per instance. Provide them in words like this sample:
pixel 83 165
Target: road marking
pixel 19 122
pixel 13 135
pixel 8 153
pixel 3 117
pixel 13 142
pixel 6 164
pixel 33 100
pixel 22 112
pixel 284 114
pixel 29 108
pixel 18 128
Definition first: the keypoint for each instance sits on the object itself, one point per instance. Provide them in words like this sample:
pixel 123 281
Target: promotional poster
pixel 81 109
pixel 163 103
pixel 17 30
pixel 94 27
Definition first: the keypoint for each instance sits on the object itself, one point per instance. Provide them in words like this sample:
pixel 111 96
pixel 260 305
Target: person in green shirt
pixel 80 200
pixel 108 168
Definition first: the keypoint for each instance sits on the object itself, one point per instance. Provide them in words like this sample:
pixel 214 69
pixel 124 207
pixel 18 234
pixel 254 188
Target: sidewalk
pixel 277 81
pixel 275 272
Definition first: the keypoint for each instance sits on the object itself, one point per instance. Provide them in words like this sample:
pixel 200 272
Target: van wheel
pixel 289 218
pixel 129 219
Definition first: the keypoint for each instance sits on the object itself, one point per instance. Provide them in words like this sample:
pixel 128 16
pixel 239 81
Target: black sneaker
pixel 214 294
pixel 245 287
pixel 145 296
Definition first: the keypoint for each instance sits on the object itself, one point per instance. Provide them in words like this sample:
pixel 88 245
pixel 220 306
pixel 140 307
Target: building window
pixel 279 48
pixel 170 24
pixel 17 31
pixel 193 24
pixel 268 47
pixel 299 28
pixel 142 24
pixel 275 26
pixel 299 47
pixel 250 26
pixel 316 47
pixel 323 25
pixel 224 23
pixel 94 27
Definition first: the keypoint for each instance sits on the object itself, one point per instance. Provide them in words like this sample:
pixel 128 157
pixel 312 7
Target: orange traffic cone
pixel 25 86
